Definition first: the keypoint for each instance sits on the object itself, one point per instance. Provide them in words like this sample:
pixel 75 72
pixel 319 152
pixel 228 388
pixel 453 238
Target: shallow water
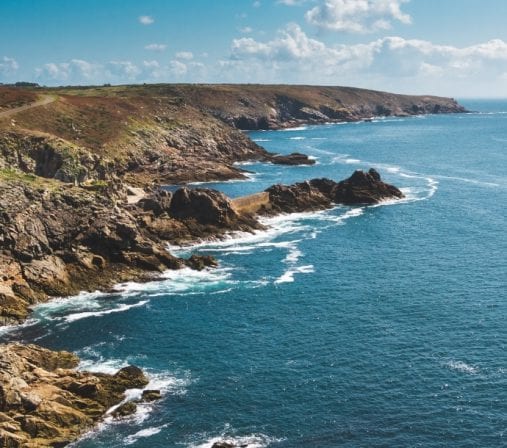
pixel 358 326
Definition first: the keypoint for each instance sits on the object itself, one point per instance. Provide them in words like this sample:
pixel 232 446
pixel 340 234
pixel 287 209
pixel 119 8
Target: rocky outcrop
pixel 56 240
pixel 317 194
pixel 361 188
pixel 193 213
pixel 46 402
pixel 295 158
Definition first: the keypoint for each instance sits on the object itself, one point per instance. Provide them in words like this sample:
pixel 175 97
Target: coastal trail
pixel 44 101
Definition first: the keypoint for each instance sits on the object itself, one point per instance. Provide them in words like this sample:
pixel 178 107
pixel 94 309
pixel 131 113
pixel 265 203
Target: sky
pixel 453 48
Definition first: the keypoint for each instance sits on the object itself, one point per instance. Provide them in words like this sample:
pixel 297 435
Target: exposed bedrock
pixel 360 188
pixel 46 402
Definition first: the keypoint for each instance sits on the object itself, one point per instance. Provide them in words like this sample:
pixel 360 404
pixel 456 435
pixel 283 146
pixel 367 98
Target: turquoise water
pixel 357 327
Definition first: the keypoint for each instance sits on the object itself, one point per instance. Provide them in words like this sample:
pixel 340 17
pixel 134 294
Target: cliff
pixel 173 133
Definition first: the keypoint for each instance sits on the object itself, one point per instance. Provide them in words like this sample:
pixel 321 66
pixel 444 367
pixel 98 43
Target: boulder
pixel 364 188
pixel 124 410
pixel 299 197
pixel 205 206
pixel 295 158
pixel 151 395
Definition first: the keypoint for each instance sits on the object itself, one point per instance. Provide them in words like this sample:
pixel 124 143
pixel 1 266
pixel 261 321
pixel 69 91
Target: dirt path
pixel 47 99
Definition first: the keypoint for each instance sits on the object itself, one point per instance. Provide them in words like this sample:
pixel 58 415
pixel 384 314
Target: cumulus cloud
pixel 77 71
pixel 155 47
pixel 8 66
pixel 146 20
pixel 384 63
pixel 246 30
pixel 66 71
pixel 357 16
pixel 186 55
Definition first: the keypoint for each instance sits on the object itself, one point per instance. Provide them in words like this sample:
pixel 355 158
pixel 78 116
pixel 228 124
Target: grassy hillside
pixel 169 133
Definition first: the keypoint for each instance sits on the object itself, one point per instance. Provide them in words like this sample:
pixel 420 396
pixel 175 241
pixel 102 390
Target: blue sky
pixel 446 47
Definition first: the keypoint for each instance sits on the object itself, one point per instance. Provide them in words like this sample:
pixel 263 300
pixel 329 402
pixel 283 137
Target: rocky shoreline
pixel 71 218
pixel 60 239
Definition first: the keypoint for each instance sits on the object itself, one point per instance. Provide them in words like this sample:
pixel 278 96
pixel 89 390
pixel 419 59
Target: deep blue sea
pixel 380 326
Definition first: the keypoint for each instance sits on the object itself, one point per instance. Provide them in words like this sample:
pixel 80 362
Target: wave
pixel 297 138
pixel 463 367
pixel 167 382
pixel 288 275
pixel 227 436
pixel 119 309
pixel 261 139
pixel 298 128
pixel 469 181
pixel 143 433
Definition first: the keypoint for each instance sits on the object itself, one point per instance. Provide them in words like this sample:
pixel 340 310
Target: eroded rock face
pixel 202 205
pixel 316 194
pixel 299 197
pixel 56 240
pixel 46 402
pixel 363 188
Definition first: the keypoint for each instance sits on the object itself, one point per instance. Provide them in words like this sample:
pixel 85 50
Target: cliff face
pixel 175 133
pixel 253 107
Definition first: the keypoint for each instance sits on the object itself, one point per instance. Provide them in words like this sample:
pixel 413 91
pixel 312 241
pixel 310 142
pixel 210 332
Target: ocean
pixel 382 326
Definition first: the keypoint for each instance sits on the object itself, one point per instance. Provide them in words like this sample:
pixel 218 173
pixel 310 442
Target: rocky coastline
pixel 69 222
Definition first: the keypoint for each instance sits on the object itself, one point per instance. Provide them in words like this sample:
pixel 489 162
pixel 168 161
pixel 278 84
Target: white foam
pixel 119 309
pixel 261 139
pixel 181 281
pixel 298 128
pixel 288 275
pixel 143 433
pixel 249 441
pixel 297 138
pixel 463 367
pixel 470 181
pixel 293 256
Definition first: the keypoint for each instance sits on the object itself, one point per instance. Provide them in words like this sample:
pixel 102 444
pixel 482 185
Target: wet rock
pixel 46 402
pixel 364 188
pixel 295 198
pixel 316 194
pixel 124 410
pixel 200 262
pixel 131 377
pixel 295 158
pixel 151 395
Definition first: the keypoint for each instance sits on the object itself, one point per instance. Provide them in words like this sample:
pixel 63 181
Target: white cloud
pixel 291 2
pixel 8 66
pixel 389 63
pixel 357 16
pixel 186 55
pixel 246 30
pixel 122 70
pixel 75 69
pixel 155 47
pixel 146 20
pixel 256 4
pixel 151 64
pixel 178 68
